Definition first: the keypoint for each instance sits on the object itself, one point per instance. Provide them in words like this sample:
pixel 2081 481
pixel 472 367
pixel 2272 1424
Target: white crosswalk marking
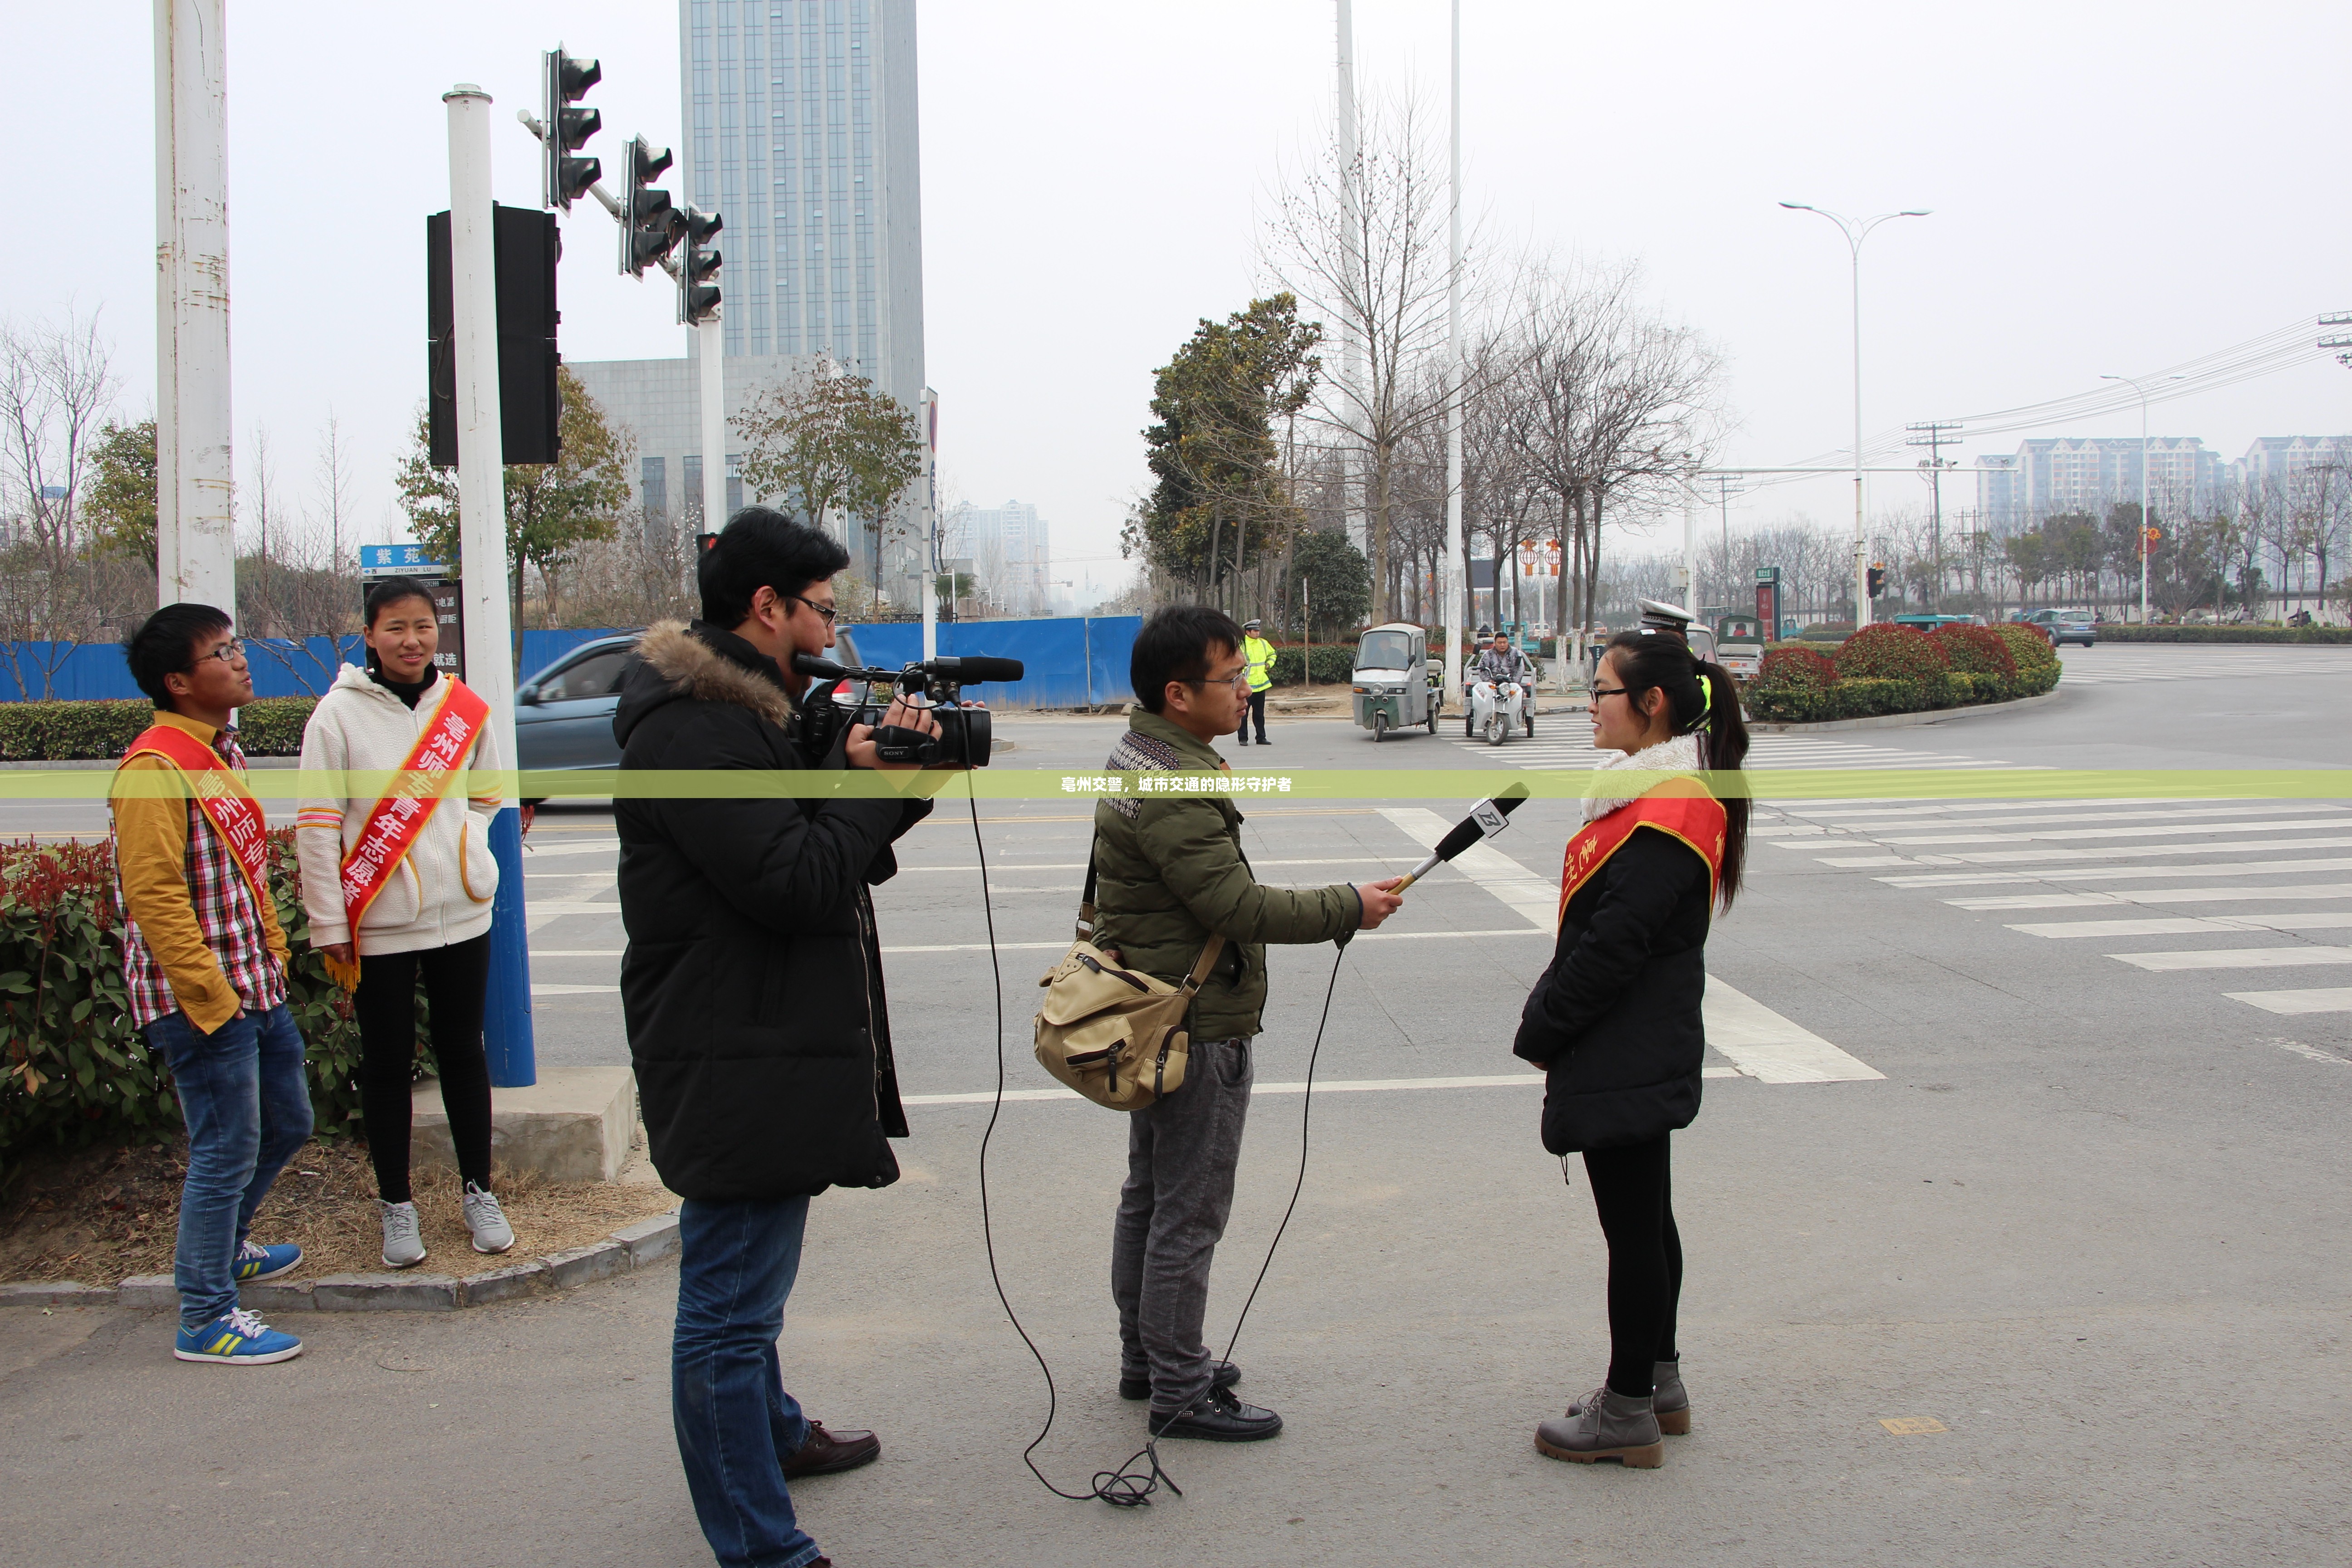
pixel 1769 1049
pixel 1798 752
pixel 2333 999
pixel 2153 896
pixel 1498 873
pixel 2237 958
pixel 2116 664
pixel 2111 873
pixel 2183 925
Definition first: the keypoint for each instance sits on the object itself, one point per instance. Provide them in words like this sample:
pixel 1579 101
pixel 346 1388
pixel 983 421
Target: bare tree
pixel 1365 248
pixel 57 384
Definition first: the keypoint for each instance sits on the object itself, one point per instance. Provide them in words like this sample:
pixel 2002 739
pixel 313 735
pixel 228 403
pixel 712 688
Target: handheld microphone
pixel 1487 818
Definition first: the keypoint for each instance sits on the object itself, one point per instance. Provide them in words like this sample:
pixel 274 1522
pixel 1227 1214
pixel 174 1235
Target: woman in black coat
pixel 1614 1020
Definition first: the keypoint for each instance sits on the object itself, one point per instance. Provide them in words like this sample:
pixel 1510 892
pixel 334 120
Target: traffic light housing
pixel 1877 578
pixel 565 80
pixel 648 223
pixel 698 297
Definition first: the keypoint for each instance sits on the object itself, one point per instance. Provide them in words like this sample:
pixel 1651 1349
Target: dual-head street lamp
pixel 1856 230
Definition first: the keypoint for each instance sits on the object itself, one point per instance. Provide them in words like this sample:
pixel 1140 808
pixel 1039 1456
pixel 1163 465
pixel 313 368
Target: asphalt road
pixel 2077 1201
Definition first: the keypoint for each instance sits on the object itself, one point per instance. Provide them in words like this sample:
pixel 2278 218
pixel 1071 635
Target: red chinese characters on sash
pixel 397 818
pixel 234 815
pixel 1680 806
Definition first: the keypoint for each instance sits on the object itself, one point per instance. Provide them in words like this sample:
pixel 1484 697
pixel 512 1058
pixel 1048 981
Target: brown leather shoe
pixel 827 1452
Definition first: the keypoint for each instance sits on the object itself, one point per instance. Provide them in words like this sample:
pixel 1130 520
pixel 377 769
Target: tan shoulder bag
pixel 1112 1034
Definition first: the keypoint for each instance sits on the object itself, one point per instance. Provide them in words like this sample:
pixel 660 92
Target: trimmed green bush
pixel 1887 651
pixel 1330 663
pixel 1788 665
pixel 72 1070
pixel 2109 631
pixel 2030 649
pixel 1975 650
pixel 83 731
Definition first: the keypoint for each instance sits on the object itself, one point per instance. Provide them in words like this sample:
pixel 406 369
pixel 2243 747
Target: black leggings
pixel 1633 1188
pixel 385 1002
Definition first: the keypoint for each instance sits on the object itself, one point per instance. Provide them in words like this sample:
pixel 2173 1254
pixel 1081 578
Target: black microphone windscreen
pixel 810 664
pixel 1508 801
pixel 1465 833
pixel 972 669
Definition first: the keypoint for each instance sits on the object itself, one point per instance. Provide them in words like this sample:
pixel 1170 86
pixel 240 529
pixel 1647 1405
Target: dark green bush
pixel 72 1070
pixel 1887 652
pixel 2030 647
pixel 77 732
pixel 1975 650
pixel 2109 631
pixel 1331 663
pixel 1789 664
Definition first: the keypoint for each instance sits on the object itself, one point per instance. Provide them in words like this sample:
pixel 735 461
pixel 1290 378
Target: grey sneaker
pixel 487 1221
pixel 1605 1424
pixel 403 1248
pixel 1671 1400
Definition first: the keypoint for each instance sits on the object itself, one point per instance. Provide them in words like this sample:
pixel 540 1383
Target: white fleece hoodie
pixel 440 892
pixel 1678 754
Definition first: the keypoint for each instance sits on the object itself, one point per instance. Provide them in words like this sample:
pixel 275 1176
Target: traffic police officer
pixel 1259 654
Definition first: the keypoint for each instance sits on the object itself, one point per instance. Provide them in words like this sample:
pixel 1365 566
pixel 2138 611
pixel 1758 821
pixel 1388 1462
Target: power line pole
pixel 195 528
pixel 1452 588
pixel 1936 435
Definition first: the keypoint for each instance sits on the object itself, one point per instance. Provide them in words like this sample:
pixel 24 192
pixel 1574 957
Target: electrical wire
pixel 1124 1487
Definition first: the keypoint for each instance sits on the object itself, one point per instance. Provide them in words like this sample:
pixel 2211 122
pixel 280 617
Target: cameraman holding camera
pixel 752 992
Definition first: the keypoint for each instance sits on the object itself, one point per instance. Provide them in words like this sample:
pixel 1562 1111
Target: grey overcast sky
pixel 2115 188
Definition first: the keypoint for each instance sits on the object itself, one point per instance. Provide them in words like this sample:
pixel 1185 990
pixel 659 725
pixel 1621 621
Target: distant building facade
pixel 801 133
pixel 2274 461
pixel 2048 475
pixel 1010 552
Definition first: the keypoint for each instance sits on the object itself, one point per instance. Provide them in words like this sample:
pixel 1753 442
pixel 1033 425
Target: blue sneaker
pixel 238 1338
pixel 255 1262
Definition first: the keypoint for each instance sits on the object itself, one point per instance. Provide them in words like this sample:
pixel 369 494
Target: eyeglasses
pixel 1601 691
pixel 227 653
pixel 1238 679
pixel 827 611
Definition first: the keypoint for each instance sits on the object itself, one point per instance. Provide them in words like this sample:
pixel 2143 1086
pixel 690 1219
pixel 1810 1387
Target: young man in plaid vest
pixel 205 962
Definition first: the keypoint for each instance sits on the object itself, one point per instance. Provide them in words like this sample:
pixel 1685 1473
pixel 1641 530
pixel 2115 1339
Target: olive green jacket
pixel 1171 870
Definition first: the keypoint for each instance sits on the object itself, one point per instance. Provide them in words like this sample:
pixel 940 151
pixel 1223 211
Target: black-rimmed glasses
pixel 827 611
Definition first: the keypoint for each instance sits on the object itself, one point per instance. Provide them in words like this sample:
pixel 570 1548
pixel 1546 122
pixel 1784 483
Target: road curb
pixel 632 1246
pixel 1905 720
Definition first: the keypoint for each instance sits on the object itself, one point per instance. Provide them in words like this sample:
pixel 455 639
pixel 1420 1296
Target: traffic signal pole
pixel 710 347
pixel 195 541
pixel 482 543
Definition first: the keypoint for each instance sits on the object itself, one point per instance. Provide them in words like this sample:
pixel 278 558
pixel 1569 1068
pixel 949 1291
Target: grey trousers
pixel 1181 1154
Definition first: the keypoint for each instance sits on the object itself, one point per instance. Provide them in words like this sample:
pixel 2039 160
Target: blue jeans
pixel 247 1107
pixel 736 1425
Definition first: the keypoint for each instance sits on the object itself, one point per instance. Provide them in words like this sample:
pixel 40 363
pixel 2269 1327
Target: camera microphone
pixel 972 669
pixel 1487 818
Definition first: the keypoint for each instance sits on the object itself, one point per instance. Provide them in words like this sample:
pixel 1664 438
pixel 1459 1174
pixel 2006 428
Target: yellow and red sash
pixel 234 815
pixel 398 819
pixel 1680 806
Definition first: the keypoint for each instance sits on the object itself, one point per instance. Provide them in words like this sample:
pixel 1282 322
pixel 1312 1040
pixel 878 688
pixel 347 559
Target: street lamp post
pixel 1856 230
pixel 2135 386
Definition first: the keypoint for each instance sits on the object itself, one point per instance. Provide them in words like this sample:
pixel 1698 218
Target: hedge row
pixel 76 732
pixel 1898 669
pixel 72 1068
pixel 1330 663
pixel 2108 632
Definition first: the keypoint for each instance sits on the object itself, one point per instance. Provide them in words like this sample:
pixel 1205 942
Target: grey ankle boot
pixel 1605 1424
pixel 1671 1400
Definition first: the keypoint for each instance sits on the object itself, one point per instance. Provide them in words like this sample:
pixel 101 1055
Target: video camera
pixel 963 740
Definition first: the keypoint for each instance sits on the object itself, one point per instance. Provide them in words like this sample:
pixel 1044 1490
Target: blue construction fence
pixel 1075 662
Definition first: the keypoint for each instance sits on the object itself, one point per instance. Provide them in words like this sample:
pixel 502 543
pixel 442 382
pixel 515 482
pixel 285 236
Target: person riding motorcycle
pixel 1502 662
pixel 1500 683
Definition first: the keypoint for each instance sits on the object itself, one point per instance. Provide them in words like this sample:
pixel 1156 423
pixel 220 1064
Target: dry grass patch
pixel 99 1215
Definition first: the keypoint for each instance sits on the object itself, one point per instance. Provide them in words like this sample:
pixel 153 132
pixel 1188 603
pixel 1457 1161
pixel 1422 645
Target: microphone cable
pixel 1126 1486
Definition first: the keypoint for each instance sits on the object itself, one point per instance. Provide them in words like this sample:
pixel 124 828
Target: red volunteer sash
pixel 234 814
pixel 398 819
pixel 1680 806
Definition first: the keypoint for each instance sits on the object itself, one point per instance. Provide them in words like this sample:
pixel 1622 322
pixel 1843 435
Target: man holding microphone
pixel 1170 873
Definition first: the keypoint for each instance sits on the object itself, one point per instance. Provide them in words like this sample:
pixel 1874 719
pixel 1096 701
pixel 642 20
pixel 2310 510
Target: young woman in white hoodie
pixel 427 887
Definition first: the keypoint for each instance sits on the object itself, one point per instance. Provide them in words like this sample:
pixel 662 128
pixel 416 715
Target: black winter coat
pixel 1615 1016
pixel 752 983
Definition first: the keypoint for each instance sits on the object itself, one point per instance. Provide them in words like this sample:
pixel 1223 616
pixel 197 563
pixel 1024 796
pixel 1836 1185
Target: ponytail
pixel 1703 701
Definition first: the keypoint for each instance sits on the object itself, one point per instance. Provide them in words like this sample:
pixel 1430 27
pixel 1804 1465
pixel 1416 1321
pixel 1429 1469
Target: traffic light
pixel 697 299
pixel 1877 578
pixel 565 80
pixel 648 223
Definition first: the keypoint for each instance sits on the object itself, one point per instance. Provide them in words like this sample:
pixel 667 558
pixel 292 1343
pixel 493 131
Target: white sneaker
pixel 403 1248
pixel 487 1221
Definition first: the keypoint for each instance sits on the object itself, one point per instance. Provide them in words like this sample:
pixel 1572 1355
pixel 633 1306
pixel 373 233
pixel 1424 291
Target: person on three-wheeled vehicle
pixel 1502 693
pixel 1394 685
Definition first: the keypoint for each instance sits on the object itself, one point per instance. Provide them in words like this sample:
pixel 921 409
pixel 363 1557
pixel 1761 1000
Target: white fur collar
pixel 1678 756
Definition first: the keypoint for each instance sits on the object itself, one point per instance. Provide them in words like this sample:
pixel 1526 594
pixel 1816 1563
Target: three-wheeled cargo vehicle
pixel 1394 687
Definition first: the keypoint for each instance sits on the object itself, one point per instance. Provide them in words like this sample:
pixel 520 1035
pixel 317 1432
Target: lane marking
pixel 575 990
pixel 2159 896
pixel 1770 1048
pixel 2073 818
pixel 2237 958
pixel 2294 1003
pixel 1058 1094
pixel 2172 832
pixel 1534 899
pixel 2183 925
pixel 2110 874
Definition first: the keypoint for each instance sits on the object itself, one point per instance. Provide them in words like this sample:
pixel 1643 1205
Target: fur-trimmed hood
pixel 696 664
pixel 1678 754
